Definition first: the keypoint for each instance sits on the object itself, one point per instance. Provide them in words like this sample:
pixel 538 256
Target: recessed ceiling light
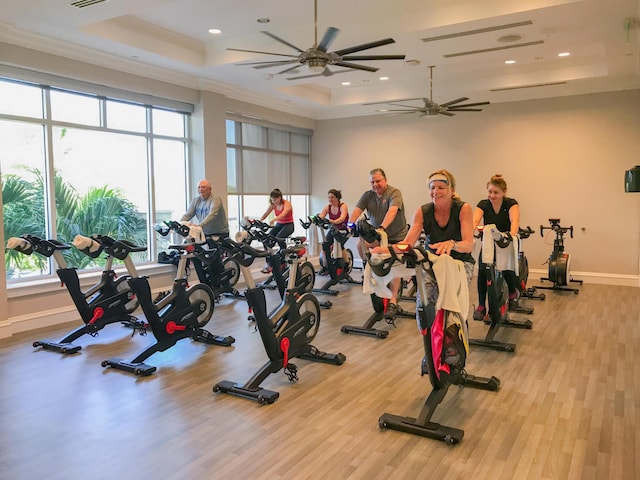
pixel 346 83
pixel 383 78
pixel 215 31
pixel 564 54
pixel 509 62
pixel 263 20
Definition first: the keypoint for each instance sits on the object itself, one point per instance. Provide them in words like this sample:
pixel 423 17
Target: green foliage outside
pixel 103 210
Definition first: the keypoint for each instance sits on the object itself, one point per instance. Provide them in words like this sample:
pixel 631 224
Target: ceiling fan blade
pixel 465 109
pixel 455 107
pixel 390 102
pixel 444 112
pixel 364 46
pixel 457 100
pixel 259 65
pixel 290 69
pixel 278 39
pixel 329 37
pixel 263 53
pixel 373 57
pixel 406 106
pixel 325 73
pixel 355 66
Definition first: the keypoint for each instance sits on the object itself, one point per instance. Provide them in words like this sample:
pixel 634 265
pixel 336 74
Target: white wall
pixel 562 157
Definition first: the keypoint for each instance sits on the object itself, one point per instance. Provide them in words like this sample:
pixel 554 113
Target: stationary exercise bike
pixel 497 293
pixel 286 332
pixel 333 262
pixel 280 267
pixel 109 300
pixel 559 261
pixel 368 233
pixel 212 266
pixel 181 313
pixel 444 357
pixel 523 269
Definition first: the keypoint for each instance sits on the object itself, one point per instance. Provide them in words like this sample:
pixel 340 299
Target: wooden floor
pixel 568 407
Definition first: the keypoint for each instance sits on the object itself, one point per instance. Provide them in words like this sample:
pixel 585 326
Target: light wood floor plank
pixel 568 407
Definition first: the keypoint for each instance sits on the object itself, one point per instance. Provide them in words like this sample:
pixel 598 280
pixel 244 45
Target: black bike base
pixel 521 309
pixel 449 435
pixel 556 286
pixel 493 345
pixel 262 395
pixel 492 383
pixel 509 323
pixel 531 293
pixel 65 348
pixel 316 355
pixel 327 304
pixel 325 291
pixel 370 332
pixel 141 369
pixel 205 336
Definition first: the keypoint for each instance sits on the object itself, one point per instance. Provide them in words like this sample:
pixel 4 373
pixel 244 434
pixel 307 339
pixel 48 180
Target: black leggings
pixel 282 230
pixel 509 277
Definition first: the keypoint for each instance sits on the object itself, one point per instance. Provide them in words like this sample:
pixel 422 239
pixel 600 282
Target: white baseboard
pixel 593 278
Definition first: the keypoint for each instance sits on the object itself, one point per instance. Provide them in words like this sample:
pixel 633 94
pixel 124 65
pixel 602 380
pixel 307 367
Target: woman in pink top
pixel 338 213
pixel 283 220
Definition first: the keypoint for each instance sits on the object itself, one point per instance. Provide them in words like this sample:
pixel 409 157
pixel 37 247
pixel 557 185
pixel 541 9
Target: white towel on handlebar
pixel 16 243
pixel 196 233
pixel 85 243
pixel 505 258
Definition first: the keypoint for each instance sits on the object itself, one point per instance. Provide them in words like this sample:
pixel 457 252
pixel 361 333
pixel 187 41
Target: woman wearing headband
pixel 504 213
pixel 447 223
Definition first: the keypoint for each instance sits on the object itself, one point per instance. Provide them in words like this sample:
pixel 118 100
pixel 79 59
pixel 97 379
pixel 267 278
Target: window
pixel 261 158
pixel 75 163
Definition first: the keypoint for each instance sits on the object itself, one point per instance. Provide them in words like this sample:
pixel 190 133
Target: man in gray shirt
pixel 385 209
pixel 208 211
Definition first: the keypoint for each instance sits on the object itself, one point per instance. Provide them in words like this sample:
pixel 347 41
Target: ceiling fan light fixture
pixel 316 65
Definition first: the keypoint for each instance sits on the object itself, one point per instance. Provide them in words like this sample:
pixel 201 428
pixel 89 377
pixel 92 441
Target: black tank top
pixel 434 233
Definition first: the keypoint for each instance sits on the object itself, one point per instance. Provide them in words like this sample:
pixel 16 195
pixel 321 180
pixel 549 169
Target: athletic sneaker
pixel 513 301
pixel 391 312
pixel 266 269
pixel 479 313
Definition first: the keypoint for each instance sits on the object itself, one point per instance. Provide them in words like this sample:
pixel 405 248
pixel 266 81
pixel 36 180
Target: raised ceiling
pixel 467 40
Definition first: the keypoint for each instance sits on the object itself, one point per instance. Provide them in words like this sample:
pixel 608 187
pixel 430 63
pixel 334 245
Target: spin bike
pixel 212 266
pixel 286 332
pixel 339 269
pixel 444 357
pixel 559 261
pixel 110 300
pixel 181 313
pixel 497 295
pixel 523 269
pixel 367 233
pixel 280 267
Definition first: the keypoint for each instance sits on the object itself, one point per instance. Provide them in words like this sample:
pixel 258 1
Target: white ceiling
pixel 169 40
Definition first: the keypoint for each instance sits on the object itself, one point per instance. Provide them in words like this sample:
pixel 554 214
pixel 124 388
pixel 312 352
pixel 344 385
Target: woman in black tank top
pixel 447 223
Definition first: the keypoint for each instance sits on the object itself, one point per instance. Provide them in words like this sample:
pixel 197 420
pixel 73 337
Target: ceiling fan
pixel 431 108
pixel 317 58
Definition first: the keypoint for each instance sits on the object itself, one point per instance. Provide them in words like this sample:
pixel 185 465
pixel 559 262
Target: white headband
pixel 438 177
